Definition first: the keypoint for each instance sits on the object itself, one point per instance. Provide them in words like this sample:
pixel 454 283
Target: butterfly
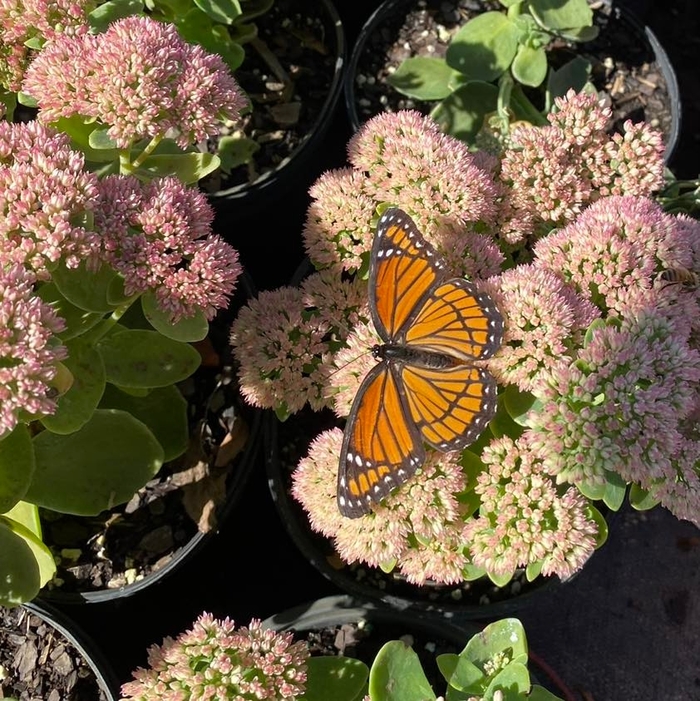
pixel 425 387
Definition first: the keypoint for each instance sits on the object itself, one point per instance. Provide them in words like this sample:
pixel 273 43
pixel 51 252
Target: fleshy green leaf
pixel 397 675
pixel 163 410
pixel 193 328
pixel 187 167
pixel 530 66
pixel 484 47
pixel 539 693
pixel 462 674
pixel 573 75
pixel 223 11
pixel 504 636
pixel 103 15
pixel 78 321
pixel 101 465
pixel 513 681
pixel 235 151
pixel 556 15
pixel 462 113
pixel 602 525
pixel 615 490
pixel 76 407
pixel 85 289
pixel 16 466
pixel 423 78
pixel 501 579
pixel 517 403
pixel 641 499
pixel 337 678
pixel 24 518
pixel 19 569
pixel 145 359
pixel 100 140
pixel 533 570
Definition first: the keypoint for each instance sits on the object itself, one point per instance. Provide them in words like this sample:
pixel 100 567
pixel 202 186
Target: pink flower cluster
pixel 29 350
pixel 216 661
pixel 25 20
pixel 139 78
pixel 46 198
pixel 562 231
pixel 552 173
pixel 158 236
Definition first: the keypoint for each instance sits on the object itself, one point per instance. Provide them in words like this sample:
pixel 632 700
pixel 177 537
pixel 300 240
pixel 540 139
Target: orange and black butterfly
pixel 426 387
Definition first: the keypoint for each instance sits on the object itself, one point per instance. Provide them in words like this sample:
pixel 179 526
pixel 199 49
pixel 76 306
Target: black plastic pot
pixel 247 199
pixel 390 9
pixel 105 677
pixel 237 481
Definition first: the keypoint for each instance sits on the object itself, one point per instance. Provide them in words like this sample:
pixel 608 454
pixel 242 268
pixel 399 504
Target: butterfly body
pixel 428 385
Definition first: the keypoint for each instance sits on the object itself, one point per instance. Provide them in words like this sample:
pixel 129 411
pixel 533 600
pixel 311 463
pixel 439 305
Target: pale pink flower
pixel 215 660
pixel 139 78
pixel 29 350
pixel 522 519
pixel 46 197
pixel 158 236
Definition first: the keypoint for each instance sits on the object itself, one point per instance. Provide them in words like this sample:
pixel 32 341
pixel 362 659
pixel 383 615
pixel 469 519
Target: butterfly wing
pixel 403 268
pixel 455 318
pixel 381 448
pixel 449 406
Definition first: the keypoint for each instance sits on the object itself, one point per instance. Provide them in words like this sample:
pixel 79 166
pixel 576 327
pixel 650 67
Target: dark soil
pixel 39 664
pixel 287 75
pixel 623 63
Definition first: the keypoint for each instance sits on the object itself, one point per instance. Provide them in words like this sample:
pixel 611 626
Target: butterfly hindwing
pixel 381 448
pixel 450 406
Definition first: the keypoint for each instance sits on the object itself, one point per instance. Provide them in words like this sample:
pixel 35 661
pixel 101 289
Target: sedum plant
pixel 216 660
pixel 491 58
pixel 109 268
pixel 599 366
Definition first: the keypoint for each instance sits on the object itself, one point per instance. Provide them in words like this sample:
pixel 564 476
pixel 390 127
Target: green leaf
pixel 594 515
pixel 255 8
pixel 396 675
pixel 641 499
pixel 235 151
pixel 187 167
pixel 513 681
pixel 573 75
pixel 517 403
pixel 78 404
pixel 223 11
pixel 193 328
pixel 423 78
pixel 84 288
pixel 615 490
pixel 500 580
pixel 145 359
pixel 19 569
pixel 163 410
pixel 26 524
pixel 539 693
pixel 100 140
pixel 78 321
pixel 462 113
pixel 103 15
pixel 16 466
pixel 533 570
pixel 103 464
pixel 556 15
pixel 592 490
pixel 504 636
pixel 484 47
pixel 530 66
pixel 462 674
pixel 337 678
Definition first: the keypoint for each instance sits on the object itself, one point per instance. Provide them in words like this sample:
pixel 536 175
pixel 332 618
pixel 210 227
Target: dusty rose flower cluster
pixel 139 78
pixel 598 370
pixel 25 20
pixel 217 661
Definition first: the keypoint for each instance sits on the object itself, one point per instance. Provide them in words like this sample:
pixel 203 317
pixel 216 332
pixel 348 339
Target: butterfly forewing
pixel 403 267
pixel 381 449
